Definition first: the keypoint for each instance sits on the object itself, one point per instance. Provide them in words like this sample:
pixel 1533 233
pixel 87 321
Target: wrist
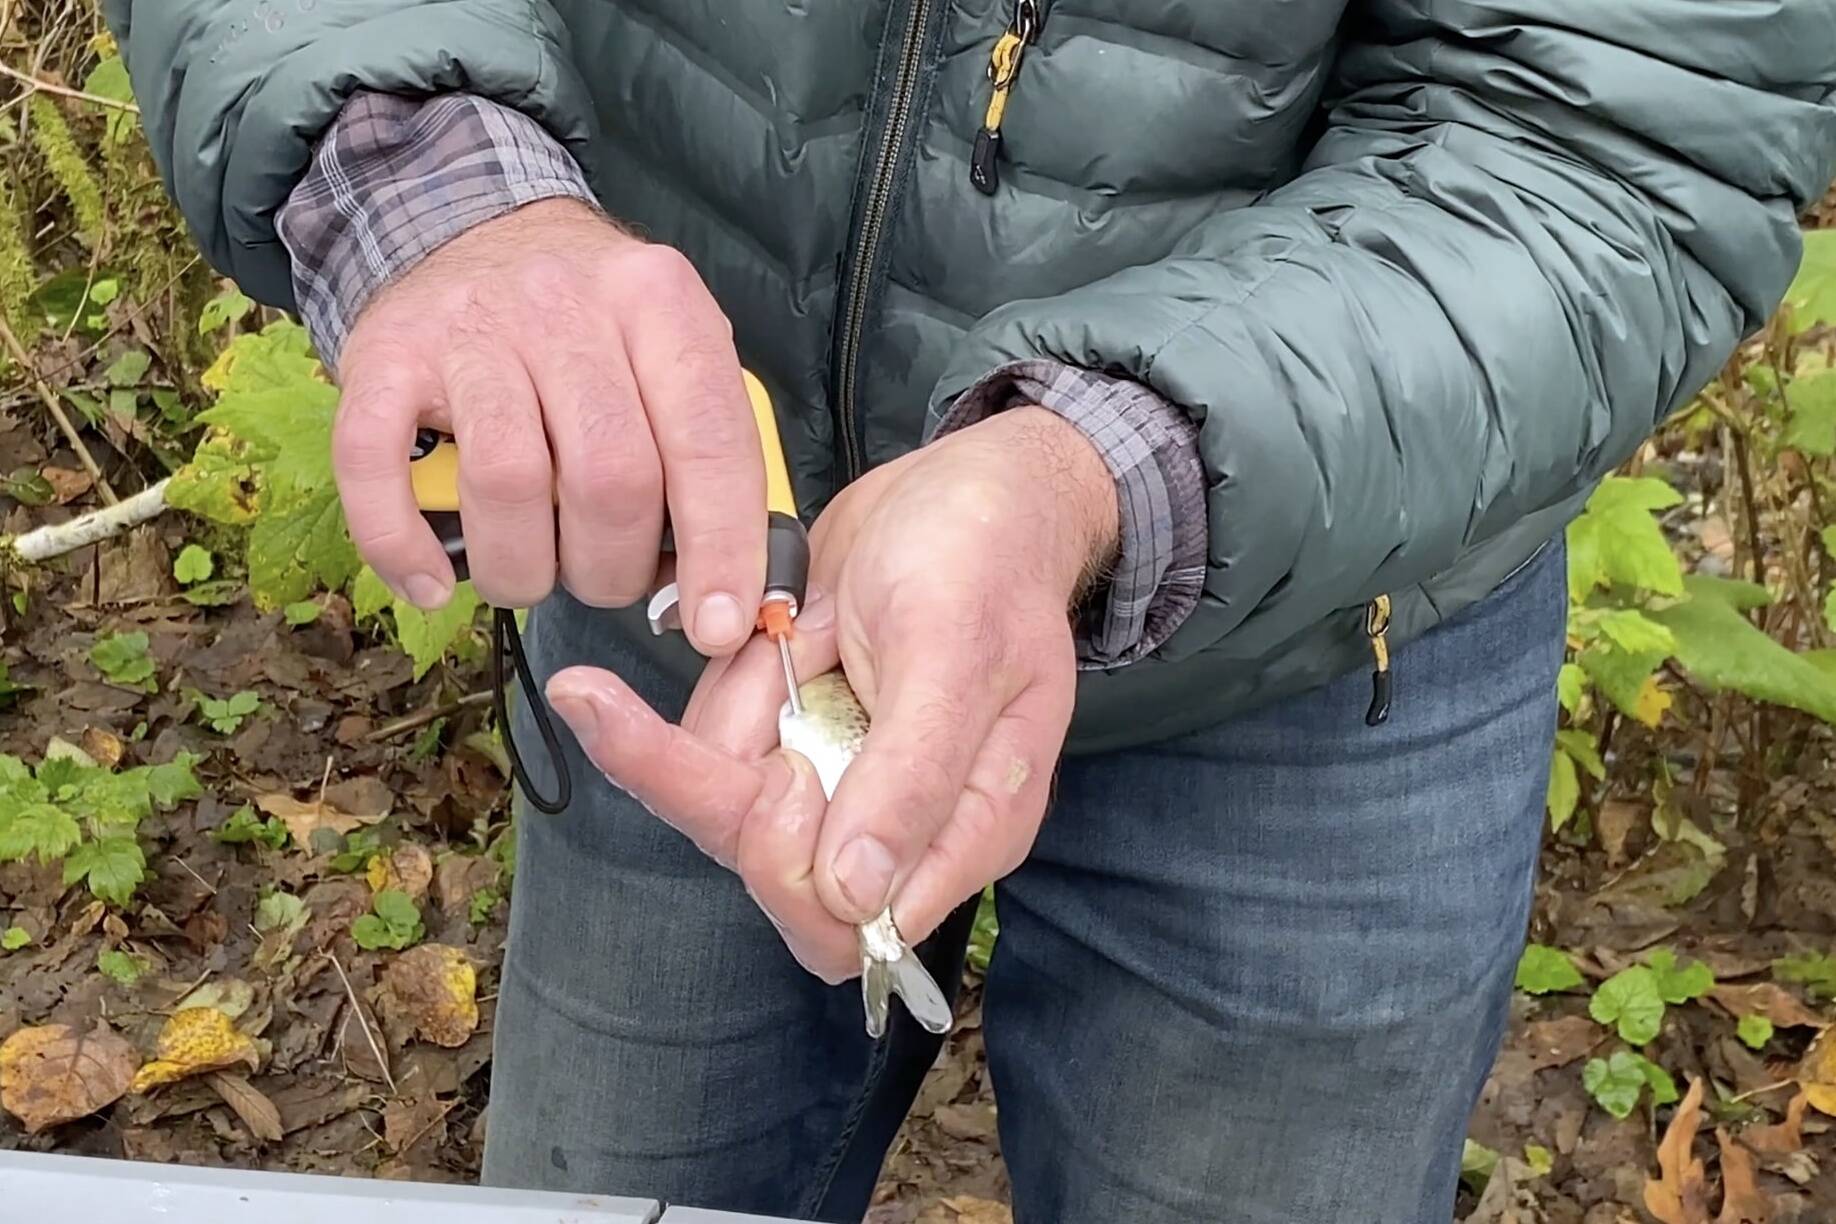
pixel 1064 465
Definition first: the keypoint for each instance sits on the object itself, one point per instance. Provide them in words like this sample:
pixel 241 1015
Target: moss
pixel 57 145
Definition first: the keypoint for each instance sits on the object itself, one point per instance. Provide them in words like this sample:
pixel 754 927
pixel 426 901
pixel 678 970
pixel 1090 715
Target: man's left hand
pixel 943 583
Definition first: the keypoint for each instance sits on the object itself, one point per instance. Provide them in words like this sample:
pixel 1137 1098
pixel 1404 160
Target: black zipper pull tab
pixel 1003 70
pixel 1376 627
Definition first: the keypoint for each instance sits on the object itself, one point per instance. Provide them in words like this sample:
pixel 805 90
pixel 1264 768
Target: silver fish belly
pixel 829 733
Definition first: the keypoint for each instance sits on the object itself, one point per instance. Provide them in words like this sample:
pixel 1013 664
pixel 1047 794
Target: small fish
pixel 829 733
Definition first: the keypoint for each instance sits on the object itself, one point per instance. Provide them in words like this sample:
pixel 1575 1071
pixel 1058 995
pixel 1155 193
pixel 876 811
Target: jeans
pixel 1254 974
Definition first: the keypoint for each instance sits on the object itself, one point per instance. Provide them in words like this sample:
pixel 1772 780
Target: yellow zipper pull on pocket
pixel 1376 628
pixel 1003 71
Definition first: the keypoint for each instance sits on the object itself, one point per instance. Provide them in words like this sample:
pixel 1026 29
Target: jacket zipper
pixel 1376 629
pixel 1003 70
pixel 879 196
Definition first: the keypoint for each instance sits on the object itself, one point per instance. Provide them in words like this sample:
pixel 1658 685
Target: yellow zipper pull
pixel 1376 626
pixel 1003 70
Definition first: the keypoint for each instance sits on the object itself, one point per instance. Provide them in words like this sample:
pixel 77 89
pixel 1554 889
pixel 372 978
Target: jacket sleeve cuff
pixel 396 177
pixel 1151 449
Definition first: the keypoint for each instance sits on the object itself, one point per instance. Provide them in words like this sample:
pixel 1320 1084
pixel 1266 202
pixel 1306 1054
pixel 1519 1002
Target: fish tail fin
pixel 911 981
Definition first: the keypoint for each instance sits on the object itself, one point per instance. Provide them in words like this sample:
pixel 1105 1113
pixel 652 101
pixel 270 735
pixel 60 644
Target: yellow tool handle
pixel 435 472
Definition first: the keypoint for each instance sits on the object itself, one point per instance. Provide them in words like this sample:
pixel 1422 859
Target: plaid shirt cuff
pixel 396 177
pixel 1151 448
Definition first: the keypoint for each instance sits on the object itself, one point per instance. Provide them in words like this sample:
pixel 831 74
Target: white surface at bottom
pixel 37 1189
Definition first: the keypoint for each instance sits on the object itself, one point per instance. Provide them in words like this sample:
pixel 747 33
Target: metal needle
pixel 790 676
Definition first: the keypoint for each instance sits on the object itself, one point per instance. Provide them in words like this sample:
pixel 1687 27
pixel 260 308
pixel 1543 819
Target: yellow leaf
pixel 1653 701
pixel 51 1074
pixel 1817 1073
pixel 196 1040
pixel 434 988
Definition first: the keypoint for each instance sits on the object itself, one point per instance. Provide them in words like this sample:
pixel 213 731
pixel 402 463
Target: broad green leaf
pixel 1812 970
pixel 227 307
pixel 36 829
pixel 1812 294
pixel 298 548
pixel 396 922
pixel 1754 1031
pixel 1823 660
pixel 426 636
pixel 484 903
pixel 213 594
pixel 218 483
pixel 1663 1088
pixel 244 826
pixel 1812 400
pixel 278 911
pixel 1723 650
pixel 1736 593
pixel 193 565
pixel 396 908
pixel 1580 745
pixel 1564 789
pixel 369 594
pixel 1679 984
pixel 121 966
pixel 1614 1082
pixel 1829 610
pixel 1646 493
pixel 1544 970
pixel 128 369
pixel 1571 682
pixel 14 939
pixel 1616 539
pixel 122 657
pixel 1828 536
pixel 1539 1158
pixel 1634 632
pixel 109 79
pixel 113 867
pixel 1631 1002
pixel 302 613
pixel 1477 1163
pixel 174 782
pixel 105 290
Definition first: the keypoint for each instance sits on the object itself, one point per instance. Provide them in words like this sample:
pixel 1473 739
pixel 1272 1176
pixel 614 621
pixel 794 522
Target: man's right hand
pixel 589 380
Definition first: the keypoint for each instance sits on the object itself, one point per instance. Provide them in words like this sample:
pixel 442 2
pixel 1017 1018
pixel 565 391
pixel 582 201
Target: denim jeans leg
pixel 653 1036
pixel 1257 975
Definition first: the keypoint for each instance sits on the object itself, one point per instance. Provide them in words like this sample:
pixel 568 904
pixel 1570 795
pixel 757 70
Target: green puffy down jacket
pixel 1425 270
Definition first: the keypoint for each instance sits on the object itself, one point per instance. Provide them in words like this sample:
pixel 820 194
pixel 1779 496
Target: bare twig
pixel 56 539
pixel 421 718
pixel 364 1023
pixel 211 888
pixel 49 398
pixel 64 91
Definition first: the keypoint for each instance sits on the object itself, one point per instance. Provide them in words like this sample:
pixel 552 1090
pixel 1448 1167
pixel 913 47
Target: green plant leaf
pixel 1635 633
pixel 1812 400
pixel 217 483
pixel 1812 294
pixel 1580 745
pixel 1614 1082
pixel 128 369
pixel 1679 984
pixel 1539 1159
pixel 1616 539
pixel 1814 971
pixel 122 657
pixel 1564 790
pixel 482 905
pixel 227 307
pixel 1724 650
pixel 1544 970
pixel 1571 683
pixel 302 613
pixel 1663 1088
pixel 120 966
pixel 985 932
pixel 194 564
pixel 1631 1002
pixel 14 939
pixel 174 782
pixel 1477 1164
pixel 396 922
pixel 112 867
pixel 36 829
pixel 1754 1031
pixel 109 79
pixel 426 636
pixel 280 911
pixel 245 826
pixel 369 595
pixel 297 547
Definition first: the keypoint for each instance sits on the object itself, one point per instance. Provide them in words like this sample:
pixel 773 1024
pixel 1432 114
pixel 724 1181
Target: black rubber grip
pixel 446 528
pixel 787 557
pixel 983 159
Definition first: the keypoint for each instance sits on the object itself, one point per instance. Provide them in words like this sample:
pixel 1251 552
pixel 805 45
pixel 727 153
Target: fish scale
pixel 829 730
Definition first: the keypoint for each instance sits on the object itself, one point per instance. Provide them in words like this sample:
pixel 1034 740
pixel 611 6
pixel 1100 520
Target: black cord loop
pixel 505 639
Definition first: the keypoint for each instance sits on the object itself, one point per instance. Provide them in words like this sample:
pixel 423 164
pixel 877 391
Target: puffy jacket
pixel 1425 270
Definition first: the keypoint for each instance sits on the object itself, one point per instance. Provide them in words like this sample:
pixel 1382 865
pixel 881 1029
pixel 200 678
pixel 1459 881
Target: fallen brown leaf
pixel 962 1209
pixel 1817 1073
pixel 434 988
pixel 193 1041
pixel 975 1120
pixel 1556 1043
pixel 303 819
pixel 67 484
pixel 1614 822
pixel 1679 1195
pixel 1766 999
pixel 409 1122
pixel 250 1103
pixel 408 869
pixel 1742 1201
pixel 459 877
pixel 103 745
pixel 51 1074
pixel 1781 1138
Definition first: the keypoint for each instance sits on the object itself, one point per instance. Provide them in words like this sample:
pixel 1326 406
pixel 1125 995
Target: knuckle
pixel 511 473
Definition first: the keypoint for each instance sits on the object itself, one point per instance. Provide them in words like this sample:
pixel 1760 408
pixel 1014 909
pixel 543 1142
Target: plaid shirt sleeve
pixel 1151 448
pixel 394 178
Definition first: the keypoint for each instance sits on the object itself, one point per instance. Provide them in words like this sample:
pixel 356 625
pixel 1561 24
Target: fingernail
pixel 864 871
pixel 720 621
pixel 577 712
pixel 425 591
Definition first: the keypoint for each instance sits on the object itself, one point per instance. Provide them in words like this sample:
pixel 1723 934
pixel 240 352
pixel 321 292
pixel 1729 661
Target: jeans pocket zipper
pixel 1003 70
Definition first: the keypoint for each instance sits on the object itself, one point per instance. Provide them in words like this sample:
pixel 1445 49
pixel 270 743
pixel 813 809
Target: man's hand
pixel 947 578
pixel 588 378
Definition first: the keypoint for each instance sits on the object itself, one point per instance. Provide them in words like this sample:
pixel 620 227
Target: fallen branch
pixel 65 91
pixel 49 397
pixel 421 718
pixel 56 539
